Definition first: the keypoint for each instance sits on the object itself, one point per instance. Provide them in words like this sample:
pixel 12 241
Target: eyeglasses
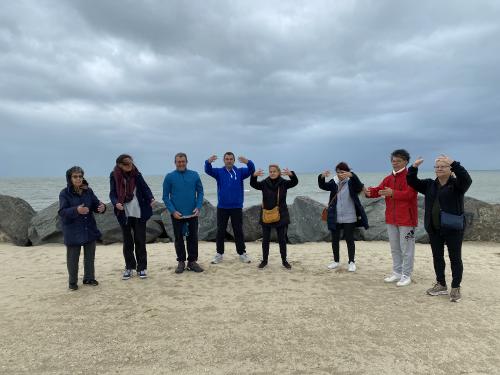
pixel 441 166
pixel 77 176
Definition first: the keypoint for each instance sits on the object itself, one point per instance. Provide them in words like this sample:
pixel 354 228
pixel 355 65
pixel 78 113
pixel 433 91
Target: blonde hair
pixel 275 166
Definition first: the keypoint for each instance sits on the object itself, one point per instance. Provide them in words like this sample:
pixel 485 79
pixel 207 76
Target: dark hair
pixel 343 167
pixel 229 153
pixel 180 155
pixel 75 169
pixel 401 153
pixel 122 157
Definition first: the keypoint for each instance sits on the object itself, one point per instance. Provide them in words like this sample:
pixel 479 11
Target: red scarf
pixel 125 184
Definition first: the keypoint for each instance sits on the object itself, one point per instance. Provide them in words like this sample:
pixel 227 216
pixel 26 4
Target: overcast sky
pixel 302 83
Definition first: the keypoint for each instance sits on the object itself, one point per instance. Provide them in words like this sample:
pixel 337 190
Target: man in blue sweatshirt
pixel 183 197
pixel 230 201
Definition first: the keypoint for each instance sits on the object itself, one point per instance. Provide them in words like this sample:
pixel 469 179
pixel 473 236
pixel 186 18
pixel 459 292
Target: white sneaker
pixel 244 258
pixel 351 267
pixel 393 278
pixel 405 280
pixel 217 258
pixel 333 265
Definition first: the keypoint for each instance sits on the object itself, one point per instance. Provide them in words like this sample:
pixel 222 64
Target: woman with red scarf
pixel 132 200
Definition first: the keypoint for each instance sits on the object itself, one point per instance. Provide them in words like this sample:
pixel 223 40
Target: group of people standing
pixel 132 200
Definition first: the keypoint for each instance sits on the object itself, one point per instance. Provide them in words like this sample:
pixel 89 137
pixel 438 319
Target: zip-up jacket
pixel 451 195
pixel 230 185
pixel 401 208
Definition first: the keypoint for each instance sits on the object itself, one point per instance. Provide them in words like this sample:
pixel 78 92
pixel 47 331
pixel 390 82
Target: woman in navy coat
pixel 77 203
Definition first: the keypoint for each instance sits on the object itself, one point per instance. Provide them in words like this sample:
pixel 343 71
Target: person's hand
pixel 177 215
pixel 243 159
pixel 286 172
pixel 152 202
pixel 417 162
pixel 82 210
pixel 101 208
pixel 386 192
pixel 258 173
pixel 119 206
pixel 367 192
pixel 343 175
pixel 326 174
pixel 196 212
pixel 445 159
pixel 212 158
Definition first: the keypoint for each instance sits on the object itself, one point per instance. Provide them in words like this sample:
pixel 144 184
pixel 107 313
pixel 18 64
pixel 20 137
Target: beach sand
pixel 237 319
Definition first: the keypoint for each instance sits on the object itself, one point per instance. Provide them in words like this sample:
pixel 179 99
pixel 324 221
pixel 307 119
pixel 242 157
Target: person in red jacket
pixel 401 217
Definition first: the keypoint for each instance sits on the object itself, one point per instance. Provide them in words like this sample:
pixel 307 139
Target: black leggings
pixel 348 229
pixel 266 238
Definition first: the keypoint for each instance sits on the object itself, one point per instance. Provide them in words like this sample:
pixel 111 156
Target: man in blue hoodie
pixel 183 197
pixel 230 197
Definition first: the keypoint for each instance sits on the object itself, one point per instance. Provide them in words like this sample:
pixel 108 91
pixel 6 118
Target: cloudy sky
pixel 302 83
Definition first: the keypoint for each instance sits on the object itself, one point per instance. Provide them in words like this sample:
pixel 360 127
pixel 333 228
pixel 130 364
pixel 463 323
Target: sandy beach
pixel 237 319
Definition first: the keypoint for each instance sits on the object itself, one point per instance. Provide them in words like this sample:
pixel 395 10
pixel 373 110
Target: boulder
pixel 45 226
pixel 482 221
pixel 305 221
pixel 15 217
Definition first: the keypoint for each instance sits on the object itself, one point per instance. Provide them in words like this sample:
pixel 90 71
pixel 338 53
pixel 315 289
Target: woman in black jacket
pixel 274 190
pixel 77 203
pixel 444 195
pixel 345 211
pixel 132 200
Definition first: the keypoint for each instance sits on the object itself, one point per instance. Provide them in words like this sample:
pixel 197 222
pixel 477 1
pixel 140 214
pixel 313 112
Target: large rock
pixel 306 224
pixel 207 223
pixel 45 226
pixel 15 217
pixel 252 230
pixel 482 221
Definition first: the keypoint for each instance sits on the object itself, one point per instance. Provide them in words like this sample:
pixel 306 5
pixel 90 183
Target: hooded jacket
pixel 78 229
pixel 269 188
pixel 401 208
pixel 143 194
pixel 230 184
pixel 355 187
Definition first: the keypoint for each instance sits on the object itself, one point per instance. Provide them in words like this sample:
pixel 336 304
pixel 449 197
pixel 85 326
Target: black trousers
pixel 73 258
pixel 348 229
pixel 134 236
pixel 180 227
pixel 236 215
pixel 266 238
pixel 453 240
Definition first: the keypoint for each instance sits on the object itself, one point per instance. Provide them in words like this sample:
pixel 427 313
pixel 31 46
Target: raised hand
pixel 286 172
pixel 417 162
pixel 342 175
pixel 259 172
pixel 212 158
pixel 82 210
pixel 243 159
pixel 326 174
pixel 445 159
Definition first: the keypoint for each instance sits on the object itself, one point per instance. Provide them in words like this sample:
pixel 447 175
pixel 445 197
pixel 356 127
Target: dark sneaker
pixel 437 290
pixel 195 267
pixel 263 264
pixel 73 286
pixel 180 267
pixel 287 265
pixel 455 295
pixel 91 282
pixel 127 274
pixel 142 274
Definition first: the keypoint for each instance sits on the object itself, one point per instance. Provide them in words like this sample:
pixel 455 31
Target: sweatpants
pixel 266 239
pixel 134 235
pixel 348 229
pixel 453 240
pixel 180 227
pixel 236 215
pixel 73 258
pixel 402 241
